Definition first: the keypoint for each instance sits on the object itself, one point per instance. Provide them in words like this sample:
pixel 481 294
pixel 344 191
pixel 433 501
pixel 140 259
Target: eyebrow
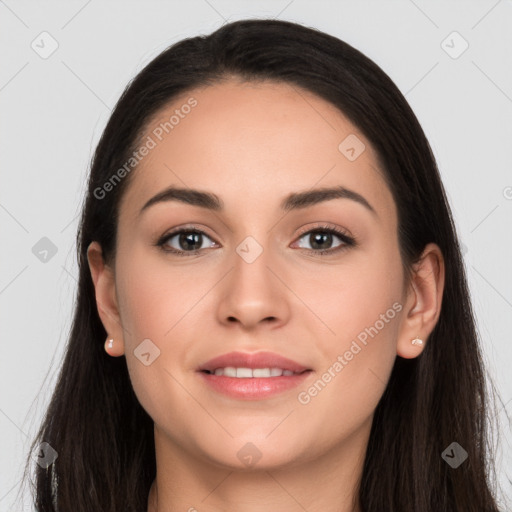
pixel 294 201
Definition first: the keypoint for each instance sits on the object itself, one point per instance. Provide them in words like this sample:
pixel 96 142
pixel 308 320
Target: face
pixel 273 268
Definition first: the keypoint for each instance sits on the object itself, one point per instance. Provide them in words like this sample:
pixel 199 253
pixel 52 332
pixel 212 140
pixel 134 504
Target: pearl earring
pixel 417 341
pixel 113 347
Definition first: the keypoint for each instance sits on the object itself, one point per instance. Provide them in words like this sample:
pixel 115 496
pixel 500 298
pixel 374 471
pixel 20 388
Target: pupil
pixel 190 240
pixel 318 238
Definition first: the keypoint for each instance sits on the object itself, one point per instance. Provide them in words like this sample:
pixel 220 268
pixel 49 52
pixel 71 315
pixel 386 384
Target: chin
pixel 255 453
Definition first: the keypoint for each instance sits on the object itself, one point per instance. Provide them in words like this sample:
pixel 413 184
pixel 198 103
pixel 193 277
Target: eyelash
pixel 347 240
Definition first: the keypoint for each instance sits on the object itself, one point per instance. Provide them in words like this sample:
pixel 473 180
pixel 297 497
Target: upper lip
pixel 252 360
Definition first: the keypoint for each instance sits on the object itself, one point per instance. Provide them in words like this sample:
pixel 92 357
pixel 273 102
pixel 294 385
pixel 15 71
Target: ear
pixel 106 300
pixel 423 302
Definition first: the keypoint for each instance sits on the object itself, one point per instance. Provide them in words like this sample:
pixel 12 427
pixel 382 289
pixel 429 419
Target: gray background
pixel 54 109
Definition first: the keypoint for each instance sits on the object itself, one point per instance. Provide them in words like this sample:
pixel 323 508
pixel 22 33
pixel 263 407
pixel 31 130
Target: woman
pixel 272 308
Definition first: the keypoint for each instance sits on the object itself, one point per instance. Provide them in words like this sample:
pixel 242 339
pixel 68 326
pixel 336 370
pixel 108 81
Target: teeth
pixel 246 373
pixel 243 373
pixel 229 371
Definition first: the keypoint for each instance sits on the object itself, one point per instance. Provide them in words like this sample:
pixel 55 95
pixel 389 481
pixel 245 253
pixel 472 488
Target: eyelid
pixel 324 226
pixel 186 228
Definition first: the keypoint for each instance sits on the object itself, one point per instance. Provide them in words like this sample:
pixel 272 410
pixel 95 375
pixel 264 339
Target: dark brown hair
pixel 102 434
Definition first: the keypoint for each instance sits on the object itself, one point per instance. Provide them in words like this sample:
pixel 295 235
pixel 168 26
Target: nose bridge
pixel 252 292
pixel 251 261
pixel 254 244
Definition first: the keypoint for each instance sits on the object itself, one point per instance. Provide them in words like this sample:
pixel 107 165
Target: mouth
pixel 255 376
pixel 260 362
pixel 252 373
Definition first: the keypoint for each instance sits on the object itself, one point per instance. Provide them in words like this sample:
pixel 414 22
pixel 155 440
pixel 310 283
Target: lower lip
pixel 253 388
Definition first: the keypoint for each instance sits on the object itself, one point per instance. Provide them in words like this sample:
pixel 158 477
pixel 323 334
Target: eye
pixel 184 241
pixel 188 241
pixel 320 240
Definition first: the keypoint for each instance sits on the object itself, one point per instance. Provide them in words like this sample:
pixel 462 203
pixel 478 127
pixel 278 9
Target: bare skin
pixel 252 145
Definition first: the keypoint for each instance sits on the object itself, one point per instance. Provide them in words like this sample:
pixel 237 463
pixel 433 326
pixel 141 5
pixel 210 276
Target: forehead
pixel 252 142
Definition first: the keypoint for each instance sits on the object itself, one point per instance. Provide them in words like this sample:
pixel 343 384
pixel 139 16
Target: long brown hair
pixel 103 436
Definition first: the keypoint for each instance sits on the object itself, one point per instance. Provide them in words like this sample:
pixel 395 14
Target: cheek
pixel 356 294
pixel 158 300
pixel 153 300
pixel 358 364
pixel 154 295
pixel 361 305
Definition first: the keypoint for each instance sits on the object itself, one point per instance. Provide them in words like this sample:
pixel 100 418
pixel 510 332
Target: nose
pixel 254 293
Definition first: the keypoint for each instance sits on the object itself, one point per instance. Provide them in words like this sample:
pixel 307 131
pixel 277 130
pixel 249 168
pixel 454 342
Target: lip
pixel 253 388
pixel 253 360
